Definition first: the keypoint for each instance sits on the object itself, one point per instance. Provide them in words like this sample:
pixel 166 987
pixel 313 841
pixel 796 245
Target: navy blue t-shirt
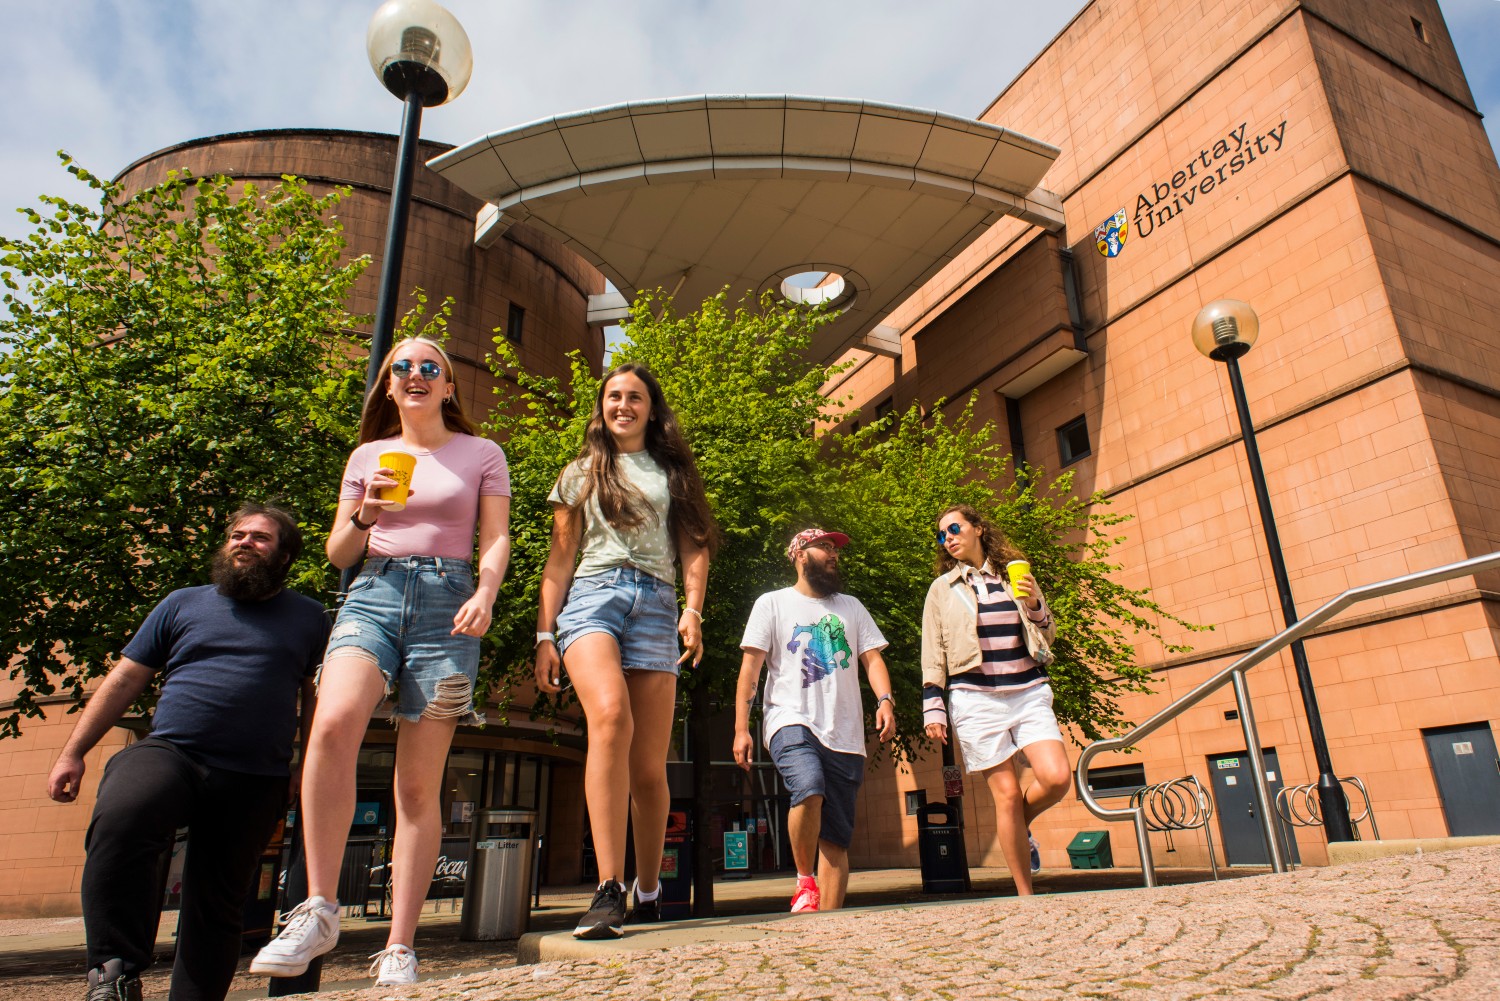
pixel 231 671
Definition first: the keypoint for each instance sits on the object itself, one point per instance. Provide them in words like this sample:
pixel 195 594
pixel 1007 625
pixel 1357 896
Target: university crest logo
pixel 1110 236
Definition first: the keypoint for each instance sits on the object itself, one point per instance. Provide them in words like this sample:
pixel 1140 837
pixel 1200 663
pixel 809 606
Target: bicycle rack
pixel 1298 805
pixel 1170 806
pixel 1235 674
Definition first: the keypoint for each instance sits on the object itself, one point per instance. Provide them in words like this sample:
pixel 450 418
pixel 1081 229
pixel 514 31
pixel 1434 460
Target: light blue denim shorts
pixel 637 609
pixel 399 615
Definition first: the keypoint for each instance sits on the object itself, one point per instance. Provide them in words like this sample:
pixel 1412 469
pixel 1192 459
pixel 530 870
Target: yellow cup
pixel 1015 570
pixel 401 465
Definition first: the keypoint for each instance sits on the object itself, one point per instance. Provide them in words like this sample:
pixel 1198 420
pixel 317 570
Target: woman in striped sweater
pixel 999 698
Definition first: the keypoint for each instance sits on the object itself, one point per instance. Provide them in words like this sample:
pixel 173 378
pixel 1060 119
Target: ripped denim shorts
pixel 399 616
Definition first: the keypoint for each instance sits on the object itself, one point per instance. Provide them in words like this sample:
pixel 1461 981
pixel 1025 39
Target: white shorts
pixel 992 726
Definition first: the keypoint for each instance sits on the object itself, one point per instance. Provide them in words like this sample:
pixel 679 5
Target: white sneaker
pixel 310 929
pixel 393 966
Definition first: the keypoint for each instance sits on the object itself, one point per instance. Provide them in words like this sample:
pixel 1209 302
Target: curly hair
pixel 997 548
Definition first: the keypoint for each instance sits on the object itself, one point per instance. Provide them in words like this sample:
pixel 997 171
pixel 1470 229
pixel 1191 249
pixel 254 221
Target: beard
pixel 823 578
pixel 252 580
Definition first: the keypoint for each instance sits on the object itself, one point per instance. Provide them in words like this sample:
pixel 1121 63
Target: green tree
pixel 163 357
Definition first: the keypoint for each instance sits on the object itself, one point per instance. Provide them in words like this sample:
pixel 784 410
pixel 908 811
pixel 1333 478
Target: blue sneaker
pixel 1036 853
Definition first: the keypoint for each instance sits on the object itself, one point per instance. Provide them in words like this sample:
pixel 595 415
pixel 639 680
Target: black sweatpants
pixel 149 790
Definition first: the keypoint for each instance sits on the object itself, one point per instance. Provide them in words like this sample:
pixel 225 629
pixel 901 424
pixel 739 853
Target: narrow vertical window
pixel 515 322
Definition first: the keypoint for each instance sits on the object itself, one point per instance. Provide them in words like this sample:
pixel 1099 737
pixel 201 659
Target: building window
pixel 1420 30
pixel 514 323
pixel 915 800
pixel 1121 780
pixel 884 407
pixel 1073 441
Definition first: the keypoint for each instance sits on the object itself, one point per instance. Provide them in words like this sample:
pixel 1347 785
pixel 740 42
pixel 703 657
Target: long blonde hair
pixel 381 419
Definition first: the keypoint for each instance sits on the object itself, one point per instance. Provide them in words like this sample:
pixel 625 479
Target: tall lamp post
pixel 1224 330
pixel 422 55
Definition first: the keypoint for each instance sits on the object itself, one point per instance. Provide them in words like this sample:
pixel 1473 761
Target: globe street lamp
pixel 421 54
pixel 1224 330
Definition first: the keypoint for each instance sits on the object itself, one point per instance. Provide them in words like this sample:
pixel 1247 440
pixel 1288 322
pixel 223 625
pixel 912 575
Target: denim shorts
pixel 399 615
pixel 808 768
pixel 637 609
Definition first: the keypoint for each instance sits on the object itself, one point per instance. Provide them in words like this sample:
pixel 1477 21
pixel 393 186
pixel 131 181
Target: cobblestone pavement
pixel 1414 927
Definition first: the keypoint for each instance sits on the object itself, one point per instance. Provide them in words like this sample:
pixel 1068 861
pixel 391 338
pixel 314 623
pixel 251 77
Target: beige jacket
pixel 950 627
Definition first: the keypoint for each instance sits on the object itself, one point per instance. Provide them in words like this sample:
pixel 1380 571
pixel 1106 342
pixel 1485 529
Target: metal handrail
pixel 1235 674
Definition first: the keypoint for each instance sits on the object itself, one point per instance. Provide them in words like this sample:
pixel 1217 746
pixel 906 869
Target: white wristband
pixel 545 637
pixel 695 612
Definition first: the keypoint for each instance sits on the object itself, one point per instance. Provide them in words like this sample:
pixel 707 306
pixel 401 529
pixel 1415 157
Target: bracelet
pixel 354 518
pixel 887 697
pixel 545 637
pixel 688 608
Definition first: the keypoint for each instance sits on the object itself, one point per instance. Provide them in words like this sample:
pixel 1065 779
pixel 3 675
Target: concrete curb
pixel 1345 852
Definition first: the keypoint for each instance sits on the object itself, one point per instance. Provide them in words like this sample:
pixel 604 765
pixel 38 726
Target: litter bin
pixel 497 892
pixel 940 847
pixel 677 865
pixel 1090 850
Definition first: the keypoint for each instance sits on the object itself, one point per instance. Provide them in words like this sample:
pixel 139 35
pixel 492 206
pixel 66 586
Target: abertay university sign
pixel 1210 169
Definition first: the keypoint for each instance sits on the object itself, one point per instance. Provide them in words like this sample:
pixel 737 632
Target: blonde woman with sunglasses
pixel 408 631
pixel 999 701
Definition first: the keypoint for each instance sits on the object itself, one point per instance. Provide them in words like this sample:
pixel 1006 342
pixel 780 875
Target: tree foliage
pixel 163 357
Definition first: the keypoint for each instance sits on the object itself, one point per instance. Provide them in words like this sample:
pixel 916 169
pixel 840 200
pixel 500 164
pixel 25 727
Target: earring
pixel 388 395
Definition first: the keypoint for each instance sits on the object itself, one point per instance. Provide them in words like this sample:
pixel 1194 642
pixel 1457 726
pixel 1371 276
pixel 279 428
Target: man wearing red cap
pixel 811 636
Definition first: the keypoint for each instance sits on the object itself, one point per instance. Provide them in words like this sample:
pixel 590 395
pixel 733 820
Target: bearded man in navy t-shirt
pixel 235 658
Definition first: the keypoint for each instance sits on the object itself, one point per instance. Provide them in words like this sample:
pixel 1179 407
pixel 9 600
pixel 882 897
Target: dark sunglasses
pixel 428 370
pixel 943 533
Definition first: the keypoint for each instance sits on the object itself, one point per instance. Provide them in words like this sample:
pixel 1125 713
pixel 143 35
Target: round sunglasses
pixel 954 529
pixel 428 370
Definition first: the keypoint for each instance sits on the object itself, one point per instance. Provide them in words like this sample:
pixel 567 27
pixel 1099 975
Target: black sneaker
pixel 110 982
pixel 644 911
pixel 606 915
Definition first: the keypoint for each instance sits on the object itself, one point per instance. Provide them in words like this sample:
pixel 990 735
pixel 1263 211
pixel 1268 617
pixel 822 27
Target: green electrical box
pixel 1090 850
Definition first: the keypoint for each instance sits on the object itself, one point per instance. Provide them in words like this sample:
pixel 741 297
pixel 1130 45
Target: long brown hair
pixel 997 548
pixel 619 501
pixel 381 419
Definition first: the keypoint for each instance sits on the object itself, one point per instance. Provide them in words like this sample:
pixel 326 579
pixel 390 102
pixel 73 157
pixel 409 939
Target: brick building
pixel 1322 160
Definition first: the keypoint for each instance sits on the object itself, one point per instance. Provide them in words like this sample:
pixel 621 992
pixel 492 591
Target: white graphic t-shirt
pixel 812 650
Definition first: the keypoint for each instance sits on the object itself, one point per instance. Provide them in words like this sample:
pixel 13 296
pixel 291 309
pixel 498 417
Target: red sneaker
pixel 805 900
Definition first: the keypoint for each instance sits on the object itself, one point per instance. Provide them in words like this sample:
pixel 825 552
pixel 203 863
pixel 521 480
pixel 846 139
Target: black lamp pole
pixel 1335 807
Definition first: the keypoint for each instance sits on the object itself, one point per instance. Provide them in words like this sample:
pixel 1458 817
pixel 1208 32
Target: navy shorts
pixel 809 769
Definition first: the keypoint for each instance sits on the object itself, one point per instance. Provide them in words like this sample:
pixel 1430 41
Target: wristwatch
pixel 887 697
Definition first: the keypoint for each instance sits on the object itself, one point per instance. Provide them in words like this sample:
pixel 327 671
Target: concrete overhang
pixel 694 194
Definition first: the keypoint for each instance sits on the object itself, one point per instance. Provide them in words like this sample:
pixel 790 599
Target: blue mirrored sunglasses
pixel 943 533
pixel 428 370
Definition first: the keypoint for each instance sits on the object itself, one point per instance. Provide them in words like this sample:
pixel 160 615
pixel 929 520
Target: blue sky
pixel 112 80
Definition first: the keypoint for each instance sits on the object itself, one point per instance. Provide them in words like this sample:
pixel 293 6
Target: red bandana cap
pixel 808 536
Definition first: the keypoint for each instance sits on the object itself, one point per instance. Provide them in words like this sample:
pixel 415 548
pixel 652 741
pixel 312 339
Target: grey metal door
pixel 1467 771
pixel 1239 817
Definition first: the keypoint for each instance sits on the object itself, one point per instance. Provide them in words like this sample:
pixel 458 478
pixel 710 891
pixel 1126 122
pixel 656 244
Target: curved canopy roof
pixel 696 193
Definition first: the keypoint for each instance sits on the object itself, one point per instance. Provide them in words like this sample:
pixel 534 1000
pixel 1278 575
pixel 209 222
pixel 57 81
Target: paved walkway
pixel 1411 927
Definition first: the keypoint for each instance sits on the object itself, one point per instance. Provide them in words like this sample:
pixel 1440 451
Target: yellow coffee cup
pixel 1015 570
pixel 401 465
